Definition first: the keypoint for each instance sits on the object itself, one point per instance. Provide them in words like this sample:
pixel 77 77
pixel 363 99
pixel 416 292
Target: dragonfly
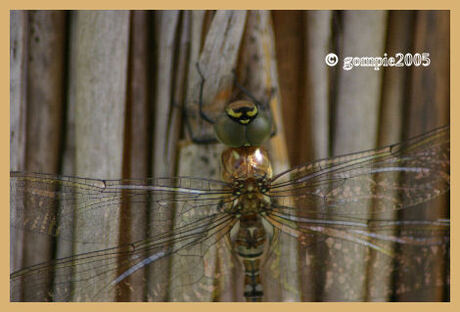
pixel 351 200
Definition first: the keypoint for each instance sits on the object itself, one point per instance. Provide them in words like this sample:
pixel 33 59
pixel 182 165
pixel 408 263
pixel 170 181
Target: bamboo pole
pixel 381 267
pixel 18 72
pixel 44 120
pixel 428 108
pixel 100 76
pixel 355 129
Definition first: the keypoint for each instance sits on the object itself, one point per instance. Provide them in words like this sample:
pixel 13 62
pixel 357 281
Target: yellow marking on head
pixel 244 121
pixel 253 112
pixel 233 114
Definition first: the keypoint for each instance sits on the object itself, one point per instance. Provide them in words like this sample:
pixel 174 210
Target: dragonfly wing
pixel 199 225
pixel 123 261
pixel 346 210
pixel 393 177
pixel 390 253
pixel 48 204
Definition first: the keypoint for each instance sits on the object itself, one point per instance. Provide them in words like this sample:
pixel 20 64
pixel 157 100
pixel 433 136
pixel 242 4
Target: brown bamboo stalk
pixel 18 72
pixel 428 108
pixel 355 129
pixel 133 224
pixel 380 269
pixel 316 113
pixel 166 27
pixel 64 246
pixel 44 117
pixel 101 61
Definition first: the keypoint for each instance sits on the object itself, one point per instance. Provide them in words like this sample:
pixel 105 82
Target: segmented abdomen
pixel 250 247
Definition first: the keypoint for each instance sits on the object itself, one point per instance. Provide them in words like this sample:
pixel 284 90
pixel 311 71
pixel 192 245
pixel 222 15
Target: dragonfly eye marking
pixel 242 112
pixel 233 114
pixel 252 112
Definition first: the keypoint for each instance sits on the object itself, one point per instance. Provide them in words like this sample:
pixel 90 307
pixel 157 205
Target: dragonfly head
pixel 243 124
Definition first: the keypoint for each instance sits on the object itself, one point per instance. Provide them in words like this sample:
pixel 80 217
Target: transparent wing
pixel 378 261
pixel 394 177
pixel 57 200
pixel 347 215
pixel 50 205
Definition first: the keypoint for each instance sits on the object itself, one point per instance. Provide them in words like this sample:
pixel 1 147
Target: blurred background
pixel 103 94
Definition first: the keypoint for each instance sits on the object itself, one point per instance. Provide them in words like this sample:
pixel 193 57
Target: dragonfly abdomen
pixel 250 246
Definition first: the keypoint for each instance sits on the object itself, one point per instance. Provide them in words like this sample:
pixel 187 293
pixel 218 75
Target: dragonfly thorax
pixel 245 163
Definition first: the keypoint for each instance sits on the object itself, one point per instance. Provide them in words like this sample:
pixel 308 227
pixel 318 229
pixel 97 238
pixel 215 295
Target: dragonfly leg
pixel 195 138
pixel 202 113
pixel 274 127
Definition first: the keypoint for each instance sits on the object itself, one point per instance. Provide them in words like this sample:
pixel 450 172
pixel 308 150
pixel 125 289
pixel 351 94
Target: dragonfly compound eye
pixel 243 124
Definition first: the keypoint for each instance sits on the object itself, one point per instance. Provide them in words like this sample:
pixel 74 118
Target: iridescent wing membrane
pixel 358 199
pixel 346 183
pixel 350 204
pixel 56 202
